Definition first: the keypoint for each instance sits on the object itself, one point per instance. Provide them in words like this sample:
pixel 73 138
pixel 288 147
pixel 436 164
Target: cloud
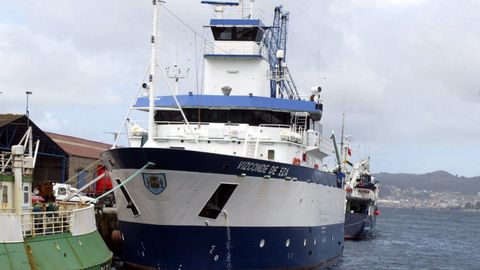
pixel 57 73
pixel 402 3
pixel 49 122
pixel 403 71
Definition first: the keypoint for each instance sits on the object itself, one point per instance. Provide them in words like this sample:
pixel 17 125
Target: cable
pixel 193 30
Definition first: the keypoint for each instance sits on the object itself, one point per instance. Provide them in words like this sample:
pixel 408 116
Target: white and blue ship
pixel 361 208
pixel 230 178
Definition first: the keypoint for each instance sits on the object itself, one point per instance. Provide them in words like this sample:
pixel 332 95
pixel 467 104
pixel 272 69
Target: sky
pixel 404 72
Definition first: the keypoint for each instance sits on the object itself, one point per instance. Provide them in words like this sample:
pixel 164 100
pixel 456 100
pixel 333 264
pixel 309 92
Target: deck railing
pixel 46 223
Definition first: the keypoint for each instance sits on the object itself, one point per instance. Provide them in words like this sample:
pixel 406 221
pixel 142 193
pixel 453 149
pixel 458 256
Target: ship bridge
pixel 237 59
pixel 237 38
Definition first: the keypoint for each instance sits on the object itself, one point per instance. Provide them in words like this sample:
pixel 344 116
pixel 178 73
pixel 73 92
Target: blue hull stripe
pixel 193 161
pixel 203 247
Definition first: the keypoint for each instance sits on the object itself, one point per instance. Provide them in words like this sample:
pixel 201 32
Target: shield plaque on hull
pixel 155 182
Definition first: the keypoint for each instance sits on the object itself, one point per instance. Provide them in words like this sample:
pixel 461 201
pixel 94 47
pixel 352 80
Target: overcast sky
pixel 405 72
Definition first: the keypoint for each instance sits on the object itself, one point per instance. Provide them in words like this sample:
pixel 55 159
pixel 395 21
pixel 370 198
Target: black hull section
pixel 205 162
pixel 359 226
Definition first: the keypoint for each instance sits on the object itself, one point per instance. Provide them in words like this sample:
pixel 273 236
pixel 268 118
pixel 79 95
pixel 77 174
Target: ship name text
pixel 262 168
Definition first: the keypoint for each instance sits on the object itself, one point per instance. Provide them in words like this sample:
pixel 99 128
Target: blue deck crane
pixel 276 41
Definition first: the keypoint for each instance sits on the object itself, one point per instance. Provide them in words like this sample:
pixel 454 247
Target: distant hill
pixel 439 181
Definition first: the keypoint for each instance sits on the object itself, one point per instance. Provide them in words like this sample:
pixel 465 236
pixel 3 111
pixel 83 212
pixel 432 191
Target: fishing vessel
pixel 231 177
pixel 362 194
pixel 48 235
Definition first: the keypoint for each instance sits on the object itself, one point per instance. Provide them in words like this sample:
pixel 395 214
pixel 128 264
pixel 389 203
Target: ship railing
pixel 363 193
pixel 275 125
pixel 46 223
pixel 232 130
pixel 4 210
pixel 241 50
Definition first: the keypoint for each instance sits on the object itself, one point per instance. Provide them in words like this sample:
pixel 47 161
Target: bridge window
pixel 238 33
pixel 223 33
pixel 251 117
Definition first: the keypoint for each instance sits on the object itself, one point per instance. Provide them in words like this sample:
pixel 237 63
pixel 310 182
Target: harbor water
pixel 418 239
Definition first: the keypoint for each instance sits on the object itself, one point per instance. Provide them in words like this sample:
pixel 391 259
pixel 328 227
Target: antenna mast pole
pixel 151 77
pixel 251 8
pixel 342 151
pixel 177 74
pixel 241 9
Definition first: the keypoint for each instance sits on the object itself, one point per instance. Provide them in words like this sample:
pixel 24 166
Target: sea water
pixel 417 239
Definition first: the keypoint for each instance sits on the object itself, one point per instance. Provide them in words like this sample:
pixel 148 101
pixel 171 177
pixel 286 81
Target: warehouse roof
pixel 79 147
pixel 6 119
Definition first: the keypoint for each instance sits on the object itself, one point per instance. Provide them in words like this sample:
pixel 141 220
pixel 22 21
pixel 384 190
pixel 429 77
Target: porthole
pixel 305 242
pixel 315 241
pixel 262 243
pixel 287 243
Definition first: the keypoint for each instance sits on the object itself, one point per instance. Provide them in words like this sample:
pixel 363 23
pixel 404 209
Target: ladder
pixel 250 147
pixel 300 122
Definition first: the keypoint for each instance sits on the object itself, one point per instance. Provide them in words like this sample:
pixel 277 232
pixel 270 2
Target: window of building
pixel 82 177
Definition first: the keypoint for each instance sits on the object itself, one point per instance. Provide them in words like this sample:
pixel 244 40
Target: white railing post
pixel 44 221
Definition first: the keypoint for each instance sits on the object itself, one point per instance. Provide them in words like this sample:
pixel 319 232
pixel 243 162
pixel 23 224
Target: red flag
pixel 349 151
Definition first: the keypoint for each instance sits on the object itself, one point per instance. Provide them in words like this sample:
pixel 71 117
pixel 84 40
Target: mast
pixel 241 9
pixel 250 16
pixel 151 78
pixel 339 163
pixel 342 152
pixel 18 152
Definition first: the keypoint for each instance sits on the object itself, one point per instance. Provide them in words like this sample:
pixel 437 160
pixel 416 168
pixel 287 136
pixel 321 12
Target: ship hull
pixel 59 251
pixel 359 226
pixel 194 247
pixel 279 216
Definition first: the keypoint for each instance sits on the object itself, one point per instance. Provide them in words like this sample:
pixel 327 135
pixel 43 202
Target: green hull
pixel 62 251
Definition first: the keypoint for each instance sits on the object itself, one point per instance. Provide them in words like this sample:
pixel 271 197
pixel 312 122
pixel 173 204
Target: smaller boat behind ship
pixel 361 209
pixel 47 235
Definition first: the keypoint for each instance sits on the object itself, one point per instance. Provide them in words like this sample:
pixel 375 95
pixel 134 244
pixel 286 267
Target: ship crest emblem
pixel 155 182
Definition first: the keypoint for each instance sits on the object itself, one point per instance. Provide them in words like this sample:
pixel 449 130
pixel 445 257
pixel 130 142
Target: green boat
pixel 44 236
